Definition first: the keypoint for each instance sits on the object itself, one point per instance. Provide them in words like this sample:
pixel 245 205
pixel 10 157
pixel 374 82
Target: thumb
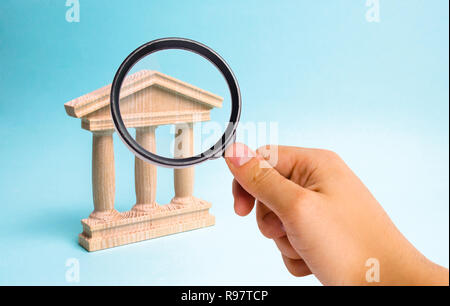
pixel 261 180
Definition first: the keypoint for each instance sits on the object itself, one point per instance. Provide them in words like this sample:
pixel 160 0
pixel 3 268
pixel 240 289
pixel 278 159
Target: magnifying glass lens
pixel 175 104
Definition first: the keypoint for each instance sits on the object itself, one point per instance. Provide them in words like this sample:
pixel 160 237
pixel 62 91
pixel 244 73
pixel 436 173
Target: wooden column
pixel 184 178
pixel 103 177
pixel 145 173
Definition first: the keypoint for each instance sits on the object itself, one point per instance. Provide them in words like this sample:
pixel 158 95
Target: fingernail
pixel 239 161
pixel 239 154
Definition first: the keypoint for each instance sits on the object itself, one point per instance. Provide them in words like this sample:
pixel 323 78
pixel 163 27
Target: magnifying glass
pixel 184 93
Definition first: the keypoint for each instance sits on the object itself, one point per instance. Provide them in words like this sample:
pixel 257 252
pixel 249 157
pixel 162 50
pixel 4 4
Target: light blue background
pixel 377 93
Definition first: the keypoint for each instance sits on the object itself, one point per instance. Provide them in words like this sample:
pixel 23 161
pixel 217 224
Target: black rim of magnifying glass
pixel 227 138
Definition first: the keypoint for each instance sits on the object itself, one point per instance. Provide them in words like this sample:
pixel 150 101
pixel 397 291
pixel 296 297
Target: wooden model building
pixel 148 99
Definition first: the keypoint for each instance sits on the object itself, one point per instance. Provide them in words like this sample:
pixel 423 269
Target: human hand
pixel 322 218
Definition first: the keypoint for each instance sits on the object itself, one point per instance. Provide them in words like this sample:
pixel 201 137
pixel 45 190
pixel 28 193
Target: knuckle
pixel 329 155
pixel 296 273
pixel 264 148
pixel 265 231
pixel 265 151
pixel 293 271
pixel 290 265
pixel 261 176
pixel 270 225
pixel 300 205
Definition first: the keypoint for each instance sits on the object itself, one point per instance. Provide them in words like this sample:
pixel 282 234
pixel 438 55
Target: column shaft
pixel 103 176
pixel 184 178
pixel 145 173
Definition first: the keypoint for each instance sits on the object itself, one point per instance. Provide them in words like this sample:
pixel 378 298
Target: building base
pixel 133 226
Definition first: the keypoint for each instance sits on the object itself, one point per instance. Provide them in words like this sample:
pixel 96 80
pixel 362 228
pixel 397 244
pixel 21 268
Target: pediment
pixel 147 98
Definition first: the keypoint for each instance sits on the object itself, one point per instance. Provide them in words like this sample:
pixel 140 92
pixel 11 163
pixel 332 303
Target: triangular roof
pixel 93 101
